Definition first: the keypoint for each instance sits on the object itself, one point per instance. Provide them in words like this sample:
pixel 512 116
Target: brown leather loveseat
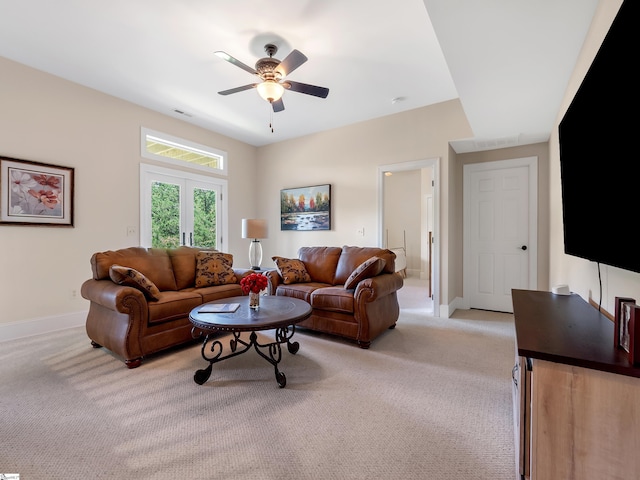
pixel 140 298
pixel 352 290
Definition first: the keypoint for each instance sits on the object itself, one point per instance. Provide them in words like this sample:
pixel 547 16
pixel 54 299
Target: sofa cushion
pixel 351 257
pixel 335 299
pixel 183 260
pixel 321 263
pixel 153 263
pixel 173 306
pixel 209 294
pixel 214 268
pixel 369 268
pixel 302 291
pixel 291 270
pixel 133 278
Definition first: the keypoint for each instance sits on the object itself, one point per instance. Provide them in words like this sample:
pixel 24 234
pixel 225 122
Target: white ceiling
pixel 509 61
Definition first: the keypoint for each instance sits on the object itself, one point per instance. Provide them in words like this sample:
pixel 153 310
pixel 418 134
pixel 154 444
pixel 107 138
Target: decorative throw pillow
pixel 133 278
pixel 214 268
pixel 368 268
pixel 291 270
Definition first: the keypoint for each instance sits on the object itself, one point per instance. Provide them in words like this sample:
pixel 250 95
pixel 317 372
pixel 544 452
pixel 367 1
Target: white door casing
pixel 500 231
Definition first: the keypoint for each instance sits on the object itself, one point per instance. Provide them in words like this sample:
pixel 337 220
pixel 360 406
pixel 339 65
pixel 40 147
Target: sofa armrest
pixel 120 298
pixel 242 272
pixel 274 280
pixel 117 316
pixel 370 289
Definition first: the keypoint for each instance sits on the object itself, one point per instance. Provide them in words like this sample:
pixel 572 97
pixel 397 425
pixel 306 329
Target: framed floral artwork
pixel 33 193
pixel 306 208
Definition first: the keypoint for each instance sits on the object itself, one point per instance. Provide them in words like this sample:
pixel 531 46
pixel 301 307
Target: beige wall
pixel 50 120
pixel 348 158
pixel 582 275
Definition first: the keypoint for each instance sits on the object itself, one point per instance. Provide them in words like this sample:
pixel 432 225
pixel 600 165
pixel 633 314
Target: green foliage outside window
pixel 204 218
pixel 165 216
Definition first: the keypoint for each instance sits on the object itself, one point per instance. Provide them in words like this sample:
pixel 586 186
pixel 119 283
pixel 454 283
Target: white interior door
pixel 500 231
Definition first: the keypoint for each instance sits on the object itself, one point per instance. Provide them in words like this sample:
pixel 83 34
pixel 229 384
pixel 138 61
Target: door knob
pixel 523 247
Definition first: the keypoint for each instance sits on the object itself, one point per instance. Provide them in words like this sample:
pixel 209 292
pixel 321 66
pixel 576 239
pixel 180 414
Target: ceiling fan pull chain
pixel 271 118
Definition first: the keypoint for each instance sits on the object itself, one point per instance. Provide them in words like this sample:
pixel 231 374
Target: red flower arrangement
pixel 253 282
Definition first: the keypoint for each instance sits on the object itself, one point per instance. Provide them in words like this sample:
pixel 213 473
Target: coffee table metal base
pixel 212 351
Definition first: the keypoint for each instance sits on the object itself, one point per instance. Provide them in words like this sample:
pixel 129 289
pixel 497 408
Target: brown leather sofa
pixel 135 321
pixel 361 312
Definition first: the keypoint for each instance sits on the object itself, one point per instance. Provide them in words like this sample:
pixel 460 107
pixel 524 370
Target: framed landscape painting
pixel 306 208
pixel 33 193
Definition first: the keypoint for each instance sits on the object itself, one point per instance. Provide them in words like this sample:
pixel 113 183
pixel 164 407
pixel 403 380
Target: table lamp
pixel 256 229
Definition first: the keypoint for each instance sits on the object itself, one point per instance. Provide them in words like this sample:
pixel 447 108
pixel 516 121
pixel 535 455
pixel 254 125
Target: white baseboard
pixel 38 326
pixel 447 310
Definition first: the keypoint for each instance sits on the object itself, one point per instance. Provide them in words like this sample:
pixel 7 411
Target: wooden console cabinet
pixel 576 397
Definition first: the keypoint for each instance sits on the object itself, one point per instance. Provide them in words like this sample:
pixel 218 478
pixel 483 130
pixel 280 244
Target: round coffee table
pixel 279 313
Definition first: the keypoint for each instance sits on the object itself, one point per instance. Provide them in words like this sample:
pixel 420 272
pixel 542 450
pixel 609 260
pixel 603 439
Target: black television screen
pixel 599 165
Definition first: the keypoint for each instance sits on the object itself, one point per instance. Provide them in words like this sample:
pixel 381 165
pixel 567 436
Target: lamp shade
pixel 270 90
pixel 254 228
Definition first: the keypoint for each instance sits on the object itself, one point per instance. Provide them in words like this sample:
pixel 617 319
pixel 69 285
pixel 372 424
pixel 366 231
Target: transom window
pixel 169 149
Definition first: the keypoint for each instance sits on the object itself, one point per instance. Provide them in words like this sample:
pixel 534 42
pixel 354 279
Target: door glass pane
pixel 165 215
pixel 204 217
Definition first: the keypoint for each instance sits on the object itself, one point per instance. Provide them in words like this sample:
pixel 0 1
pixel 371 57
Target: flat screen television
pixel 599 160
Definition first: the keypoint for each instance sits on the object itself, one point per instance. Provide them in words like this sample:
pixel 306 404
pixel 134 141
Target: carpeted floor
pixel 429 400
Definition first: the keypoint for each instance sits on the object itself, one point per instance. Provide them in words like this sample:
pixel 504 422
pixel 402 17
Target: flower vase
pixel 254 300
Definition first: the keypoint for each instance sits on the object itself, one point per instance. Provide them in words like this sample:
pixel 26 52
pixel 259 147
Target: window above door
pixel 177 151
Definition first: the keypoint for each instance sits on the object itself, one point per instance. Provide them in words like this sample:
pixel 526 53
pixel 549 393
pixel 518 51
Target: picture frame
pixel 622 315
pixel 34 193
pixel 634 334
pixel 306 208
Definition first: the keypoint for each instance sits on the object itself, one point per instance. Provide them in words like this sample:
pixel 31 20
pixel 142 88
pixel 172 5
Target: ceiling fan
pixel 272 73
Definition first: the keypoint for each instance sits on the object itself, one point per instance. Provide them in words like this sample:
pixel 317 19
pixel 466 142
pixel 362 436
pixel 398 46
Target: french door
pixel 180 208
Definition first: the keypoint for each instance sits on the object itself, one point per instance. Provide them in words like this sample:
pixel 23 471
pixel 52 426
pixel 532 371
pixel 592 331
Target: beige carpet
pixel 430 400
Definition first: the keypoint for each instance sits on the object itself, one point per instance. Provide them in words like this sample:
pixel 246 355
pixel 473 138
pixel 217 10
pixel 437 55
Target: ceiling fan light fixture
pixel 270 90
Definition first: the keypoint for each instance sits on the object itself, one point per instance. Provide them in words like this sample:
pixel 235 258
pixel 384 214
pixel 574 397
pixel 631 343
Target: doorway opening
pixel 410 220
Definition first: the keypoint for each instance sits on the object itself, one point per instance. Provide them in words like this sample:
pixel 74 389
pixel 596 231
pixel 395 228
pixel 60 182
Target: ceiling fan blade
pixel 235 61
pixel 278 106
pixel 314 90
pixel 238 89
pixel 291 62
